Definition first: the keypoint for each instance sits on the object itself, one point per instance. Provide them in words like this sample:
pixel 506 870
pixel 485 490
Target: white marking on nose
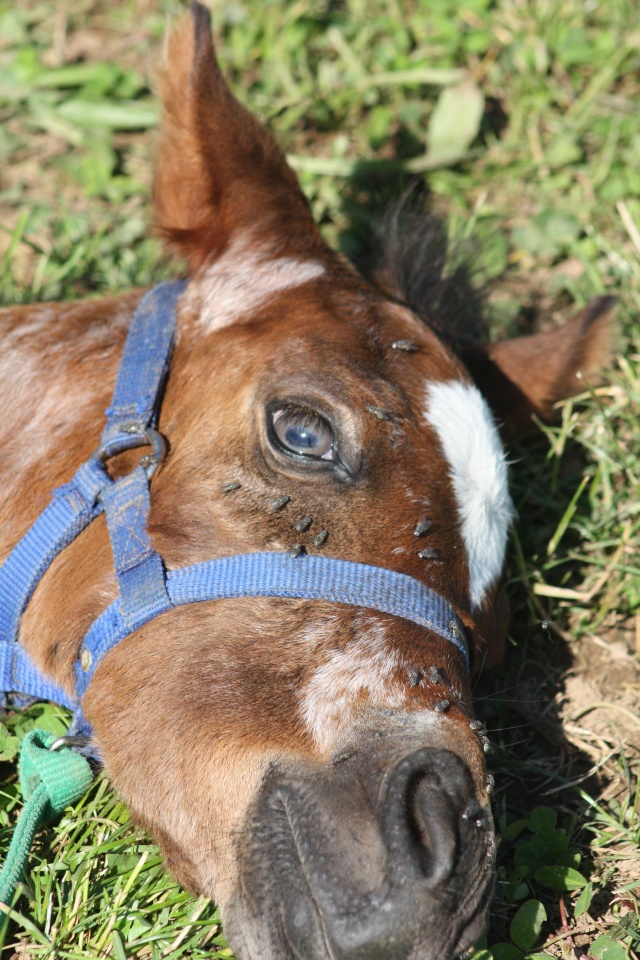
pixel 362 672
pixel 461 417
pixel 243 279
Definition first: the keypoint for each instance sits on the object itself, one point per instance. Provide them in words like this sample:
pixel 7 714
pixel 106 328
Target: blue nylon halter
pixel 146 589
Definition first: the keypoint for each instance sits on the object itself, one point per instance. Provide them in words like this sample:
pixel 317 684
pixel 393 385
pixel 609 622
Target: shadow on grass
pixel 521 701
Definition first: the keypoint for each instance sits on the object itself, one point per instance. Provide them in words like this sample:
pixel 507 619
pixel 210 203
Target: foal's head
pixel 314 767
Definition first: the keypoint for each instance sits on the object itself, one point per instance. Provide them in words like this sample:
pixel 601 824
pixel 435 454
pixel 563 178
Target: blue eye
pixel 301 438
pixel 303 432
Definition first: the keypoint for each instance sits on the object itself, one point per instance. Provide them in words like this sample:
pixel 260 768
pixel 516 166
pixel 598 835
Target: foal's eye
pixel 304 433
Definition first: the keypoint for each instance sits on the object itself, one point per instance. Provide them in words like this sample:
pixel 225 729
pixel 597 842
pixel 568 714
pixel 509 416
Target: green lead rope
pixel 51 780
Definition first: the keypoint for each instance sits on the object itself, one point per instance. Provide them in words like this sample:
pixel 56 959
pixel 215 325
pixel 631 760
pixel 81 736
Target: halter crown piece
pixel 146 588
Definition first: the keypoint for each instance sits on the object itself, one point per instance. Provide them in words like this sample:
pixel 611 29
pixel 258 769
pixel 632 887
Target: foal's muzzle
pixel 366 861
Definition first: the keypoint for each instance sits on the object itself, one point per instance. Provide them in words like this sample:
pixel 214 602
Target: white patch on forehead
pixel 461 417
pixel 243 279
pixel 364 668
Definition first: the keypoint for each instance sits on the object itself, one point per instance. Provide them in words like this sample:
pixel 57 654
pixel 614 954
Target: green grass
pixel 541 174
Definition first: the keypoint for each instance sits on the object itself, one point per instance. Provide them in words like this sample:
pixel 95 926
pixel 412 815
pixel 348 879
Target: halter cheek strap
pixel 146 589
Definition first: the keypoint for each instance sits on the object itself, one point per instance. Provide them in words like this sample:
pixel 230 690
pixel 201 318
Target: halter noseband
pixel 146 588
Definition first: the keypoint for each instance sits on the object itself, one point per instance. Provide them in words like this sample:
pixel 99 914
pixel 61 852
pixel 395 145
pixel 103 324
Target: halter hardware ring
pixel 146 436
pixel 76 742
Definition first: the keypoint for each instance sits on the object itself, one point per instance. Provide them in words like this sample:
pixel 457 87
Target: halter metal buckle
pixel 76 742
pixel 136 435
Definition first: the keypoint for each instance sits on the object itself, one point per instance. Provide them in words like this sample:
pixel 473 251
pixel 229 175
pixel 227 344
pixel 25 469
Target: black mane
pixel 414 257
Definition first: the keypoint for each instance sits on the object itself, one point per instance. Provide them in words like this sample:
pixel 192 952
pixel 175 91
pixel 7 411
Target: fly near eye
pixel 304 433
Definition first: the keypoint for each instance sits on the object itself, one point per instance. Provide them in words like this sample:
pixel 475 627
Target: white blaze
pixel 461 417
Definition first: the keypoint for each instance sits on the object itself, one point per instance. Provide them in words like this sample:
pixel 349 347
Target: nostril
pixel 429 797
pixel 415 814
pixel 431 826
pixel 366 861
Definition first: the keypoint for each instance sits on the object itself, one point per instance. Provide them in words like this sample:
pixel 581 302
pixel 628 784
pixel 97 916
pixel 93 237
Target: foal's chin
pixel 383 854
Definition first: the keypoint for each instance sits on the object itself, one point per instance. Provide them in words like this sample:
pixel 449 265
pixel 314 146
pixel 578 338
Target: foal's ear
pixel 219 173
pixel 530 374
